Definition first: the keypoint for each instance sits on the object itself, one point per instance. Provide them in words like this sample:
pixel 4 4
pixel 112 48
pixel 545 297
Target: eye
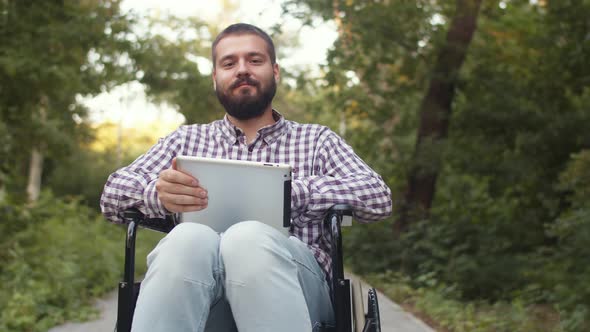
pixel 256 61
pixel 227 64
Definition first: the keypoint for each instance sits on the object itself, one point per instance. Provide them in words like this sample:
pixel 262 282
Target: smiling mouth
pixel 244 82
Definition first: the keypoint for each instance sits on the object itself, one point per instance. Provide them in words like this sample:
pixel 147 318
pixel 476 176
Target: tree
pixel 519 111
pixel 435 111
pixel 170 70
pixel 51 52
pixel 398 50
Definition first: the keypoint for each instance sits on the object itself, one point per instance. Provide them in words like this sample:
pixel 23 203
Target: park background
pixel 475 112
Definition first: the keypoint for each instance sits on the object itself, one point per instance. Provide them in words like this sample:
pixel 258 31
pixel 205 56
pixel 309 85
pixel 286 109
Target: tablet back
pixel 240 191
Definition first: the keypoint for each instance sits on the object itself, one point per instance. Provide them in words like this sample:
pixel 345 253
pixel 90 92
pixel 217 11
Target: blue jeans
pixel 250 278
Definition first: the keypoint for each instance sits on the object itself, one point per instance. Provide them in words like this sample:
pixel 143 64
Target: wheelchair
pixel 350 312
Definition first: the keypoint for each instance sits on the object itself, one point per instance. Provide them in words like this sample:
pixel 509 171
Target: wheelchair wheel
pixel 373 320
pixel 358 306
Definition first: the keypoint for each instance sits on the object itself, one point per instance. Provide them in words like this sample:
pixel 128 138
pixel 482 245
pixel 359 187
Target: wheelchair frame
pixel 350 313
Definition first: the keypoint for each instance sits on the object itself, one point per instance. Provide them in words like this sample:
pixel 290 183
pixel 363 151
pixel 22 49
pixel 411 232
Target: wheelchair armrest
pixel 134 219
pixel 332 223
pixel 164 225
pixel 343 211
pixel 128 289
pixel 340 287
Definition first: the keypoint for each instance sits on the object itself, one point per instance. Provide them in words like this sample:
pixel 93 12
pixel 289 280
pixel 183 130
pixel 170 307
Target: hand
pixel 180 192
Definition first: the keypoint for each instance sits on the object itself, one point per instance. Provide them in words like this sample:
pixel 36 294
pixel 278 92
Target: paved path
pixel 393 318
pixel 106 323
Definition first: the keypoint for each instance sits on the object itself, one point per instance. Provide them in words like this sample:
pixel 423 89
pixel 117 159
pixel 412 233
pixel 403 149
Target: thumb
pixel 174 167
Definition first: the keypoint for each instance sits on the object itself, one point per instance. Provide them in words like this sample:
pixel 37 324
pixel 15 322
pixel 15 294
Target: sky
pixel 128 105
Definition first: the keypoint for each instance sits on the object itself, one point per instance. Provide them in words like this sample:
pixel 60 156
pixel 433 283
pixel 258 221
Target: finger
pixel 164 187
pixel 174 176
pixel 183 200
pixel 184 208
pixel 175 167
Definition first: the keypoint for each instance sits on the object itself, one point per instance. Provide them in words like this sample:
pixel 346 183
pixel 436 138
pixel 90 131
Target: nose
pixel 243 68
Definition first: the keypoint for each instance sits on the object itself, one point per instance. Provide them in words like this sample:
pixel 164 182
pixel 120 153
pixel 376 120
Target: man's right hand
pixel 180 192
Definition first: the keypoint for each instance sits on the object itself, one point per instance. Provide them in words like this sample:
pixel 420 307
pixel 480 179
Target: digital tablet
pixel 240 191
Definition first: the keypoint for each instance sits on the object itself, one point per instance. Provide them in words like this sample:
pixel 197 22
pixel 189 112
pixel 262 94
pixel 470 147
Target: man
pixel 198 280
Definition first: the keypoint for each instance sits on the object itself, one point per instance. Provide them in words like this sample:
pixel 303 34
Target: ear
pixel 277 72
pixel 214 81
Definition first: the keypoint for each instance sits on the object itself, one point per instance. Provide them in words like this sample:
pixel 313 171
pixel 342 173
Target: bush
pixel 82 174
pixel 470 241
pixel 55 258
pixel 440 304
pixel 566 266
pixel 477 245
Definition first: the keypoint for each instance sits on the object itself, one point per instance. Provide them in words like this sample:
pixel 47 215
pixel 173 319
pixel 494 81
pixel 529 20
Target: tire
pixel 373 320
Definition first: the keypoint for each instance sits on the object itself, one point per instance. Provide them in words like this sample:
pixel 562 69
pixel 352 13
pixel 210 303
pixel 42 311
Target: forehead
pixel 236 45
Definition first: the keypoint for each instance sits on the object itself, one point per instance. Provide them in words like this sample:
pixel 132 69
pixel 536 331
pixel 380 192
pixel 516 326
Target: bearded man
pixel 250 278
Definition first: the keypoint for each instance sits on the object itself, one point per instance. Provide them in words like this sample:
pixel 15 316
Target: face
pixel 244 76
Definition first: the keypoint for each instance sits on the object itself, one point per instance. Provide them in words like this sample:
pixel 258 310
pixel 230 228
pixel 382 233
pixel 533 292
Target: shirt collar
pixel 268 134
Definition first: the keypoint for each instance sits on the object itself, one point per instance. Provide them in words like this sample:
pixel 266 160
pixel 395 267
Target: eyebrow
pixel 249 54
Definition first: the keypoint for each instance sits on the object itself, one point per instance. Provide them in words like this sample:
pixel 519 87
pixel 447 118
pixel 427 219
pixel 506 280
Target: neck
pixel 250 127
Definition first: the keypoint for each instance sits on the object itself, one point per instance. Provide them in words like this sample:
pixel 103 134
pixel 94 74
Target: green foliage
pixel 83 174
pixel 509 228
pixel 168 68
pixel 55 258
pixel 469 241
pixel 510 217
pixel 566 266
pixel 362 255
pixel 439 302
pixel 50 53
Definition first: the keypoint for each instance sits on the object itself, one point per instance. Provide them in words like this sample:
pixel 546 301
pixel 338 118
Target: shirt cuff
pixel 299 194
pixel 154 207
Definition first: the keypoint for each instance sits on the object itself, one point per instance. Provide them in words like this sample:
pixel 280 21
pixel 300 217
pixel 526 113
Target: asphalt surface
pixel 393 317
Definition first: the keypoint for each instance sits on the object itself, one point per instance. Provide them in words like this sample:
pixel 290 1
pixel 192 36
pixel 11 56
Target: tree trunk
pixel 37 157
pixel 435 112
pixel 35 173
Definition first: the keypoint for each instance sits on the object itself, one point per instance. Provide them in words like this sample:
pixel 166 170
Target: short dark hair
pixel 242 29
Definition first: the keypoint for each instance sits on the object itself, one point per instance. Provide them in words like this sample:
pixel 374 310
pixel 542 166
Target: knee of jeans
pixel 189 244
pixel 251 245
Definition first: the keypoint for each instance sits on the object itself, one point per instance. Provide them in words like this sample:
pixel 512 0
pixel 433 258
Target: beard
pixel 247 106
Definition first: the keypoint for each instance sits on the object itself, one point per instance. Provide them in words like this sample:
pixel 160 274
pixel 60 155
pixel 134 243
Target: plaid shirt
pixel 326 171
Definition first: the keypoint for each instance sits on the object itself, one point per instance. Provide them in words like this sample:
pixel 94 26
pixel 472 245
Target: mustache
pixel 246 80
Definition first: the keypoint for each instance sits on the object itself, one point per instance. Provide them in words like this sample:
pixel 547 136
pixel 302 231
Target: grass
pixel 439 307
